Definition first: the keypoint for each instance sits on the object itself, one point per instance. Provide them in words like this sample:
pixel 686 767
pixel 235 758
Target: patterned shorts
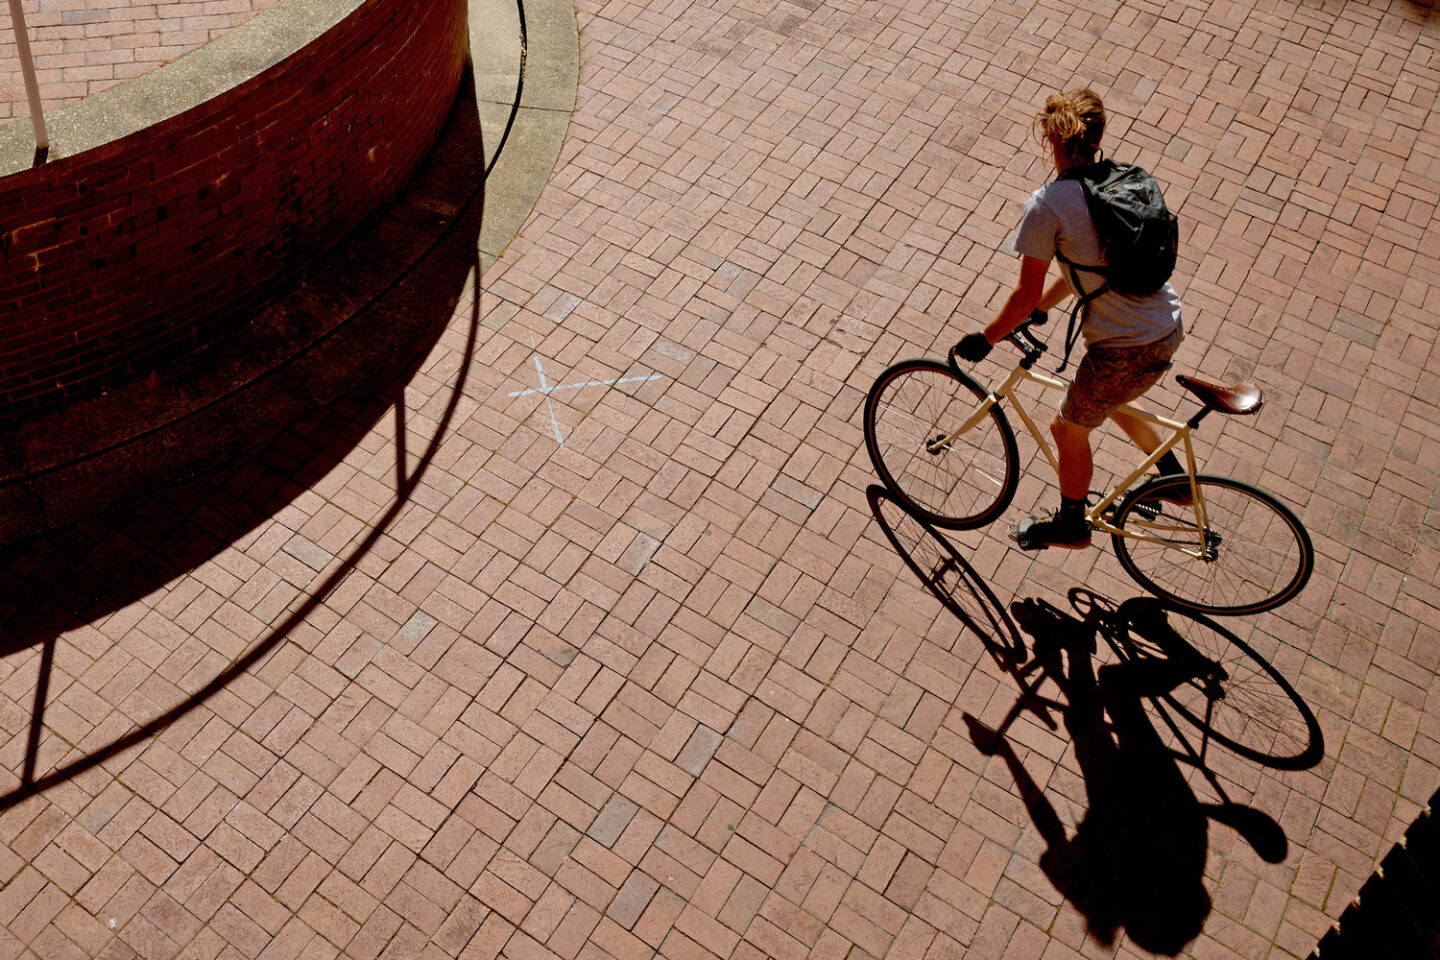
pixel 1110 376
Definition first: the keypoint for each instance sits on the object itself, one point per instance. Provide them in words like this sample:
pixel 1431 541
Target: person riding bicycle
pixel 1129 340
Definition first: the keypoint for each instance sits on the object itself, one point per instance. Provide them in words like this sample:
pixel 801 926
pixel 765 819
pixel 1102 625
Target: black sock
pixel 1072 510
pixel 1169 464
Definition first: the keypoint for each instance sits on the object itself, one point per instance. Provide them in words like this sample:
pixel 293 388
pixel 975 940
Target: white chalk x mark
pixel 546 389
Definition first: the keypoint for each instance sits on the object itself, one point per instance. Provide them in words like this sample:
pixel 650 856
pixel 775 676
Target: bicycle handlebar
pixel 1026 341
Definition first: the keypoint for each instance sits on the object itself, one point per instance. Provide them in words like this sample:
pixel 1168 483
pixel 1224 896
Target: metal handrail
pixel 32 85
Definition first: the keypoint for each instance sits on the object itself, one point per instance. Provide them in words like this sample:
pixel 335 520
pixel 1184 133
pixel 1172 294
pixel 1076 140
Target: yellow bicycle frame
pixel 1179 434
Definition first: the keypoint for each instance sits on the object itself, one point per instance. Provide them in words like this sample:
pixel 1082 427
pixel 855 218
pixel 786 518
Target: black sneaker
pixel 1037 533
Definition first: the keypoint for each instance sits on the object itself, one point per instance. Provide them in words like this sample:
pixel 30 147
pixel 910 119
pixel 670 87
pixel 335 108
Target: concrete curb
pixel 90 456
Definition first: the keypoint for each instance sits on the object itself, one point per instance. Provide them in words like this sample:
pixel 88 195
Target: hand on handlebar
pixel 973 347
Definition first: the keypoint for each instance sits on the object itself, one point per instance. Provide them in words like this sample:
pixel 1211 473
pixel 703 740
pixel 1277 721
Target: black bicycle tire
pixel 1146 492
pixel 893 484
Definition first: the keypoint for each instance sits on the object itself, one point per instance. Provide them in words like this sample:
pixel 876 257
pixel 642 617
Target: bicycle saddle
pixel 1242 398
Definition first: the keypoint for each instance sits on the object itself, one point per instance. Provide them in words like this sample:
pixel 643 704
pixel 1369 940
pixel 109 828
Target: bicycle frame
pixel 1179 434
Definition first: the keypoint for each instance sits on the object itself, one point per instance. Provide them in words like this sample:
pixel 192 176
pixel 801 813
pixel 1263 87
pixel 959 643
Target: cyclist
pixel 1129 340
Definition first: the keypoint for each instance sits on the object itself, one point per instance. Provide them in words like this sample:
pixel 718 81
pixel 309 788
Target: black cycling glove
pixel 973 347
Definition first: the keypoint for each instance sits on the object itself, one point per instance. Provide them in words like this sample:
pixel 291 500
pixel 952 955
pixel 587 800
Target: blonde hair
pixel 1074 121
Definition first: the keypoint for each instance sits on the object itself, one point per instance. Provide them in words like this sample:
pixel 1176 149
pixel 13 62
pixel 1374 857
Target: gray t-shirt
pixel 1055 217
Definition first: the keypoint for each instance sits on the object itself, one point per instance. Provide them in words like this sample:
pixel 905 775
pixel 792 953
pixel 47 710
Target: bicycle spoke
pixel 1255 555
pixel 953 480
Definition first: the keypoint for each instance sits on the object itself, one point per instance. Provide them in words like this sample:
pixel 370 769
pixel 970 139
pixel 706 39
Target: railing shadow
pixel 1136 860
pixel 57 582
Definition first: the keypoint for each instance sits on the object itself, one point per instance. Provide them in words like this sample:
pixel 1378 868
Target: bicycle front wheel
pixel 957 481
pixel 1254 553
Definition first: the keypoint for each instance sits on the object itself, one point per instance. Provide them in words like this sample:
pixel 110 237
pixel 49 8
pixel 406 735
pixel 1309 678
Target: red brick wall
pixel 117 258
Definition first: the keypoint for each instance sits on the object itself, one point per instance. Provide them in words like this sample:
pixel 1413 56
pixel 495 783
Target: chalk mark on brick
pixel 546 389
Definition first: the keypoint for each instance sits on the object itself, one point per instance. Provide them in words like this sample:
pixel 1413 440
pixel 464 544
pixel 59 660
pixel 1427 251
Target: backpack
pixel 1139 235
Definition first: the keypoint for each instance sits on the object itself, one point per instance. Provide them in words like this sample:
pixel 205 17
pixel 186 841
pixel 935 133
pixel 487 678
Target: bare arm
pixel 1030 294
pixel 1059 290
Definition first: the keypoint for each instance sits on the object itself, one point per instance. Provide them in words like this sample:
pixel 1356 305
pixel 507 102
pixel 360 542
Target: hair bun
pixel 1074 121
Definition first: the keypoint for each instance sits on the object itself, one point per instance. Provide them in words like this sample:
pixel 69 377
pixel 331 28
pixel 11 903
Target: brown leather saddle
pixel 1242 398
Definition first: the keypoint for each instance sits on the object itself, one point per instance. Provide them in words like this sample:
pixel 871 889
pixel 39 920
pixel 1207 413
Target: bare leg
pixel 1143 432
pixel 1072 447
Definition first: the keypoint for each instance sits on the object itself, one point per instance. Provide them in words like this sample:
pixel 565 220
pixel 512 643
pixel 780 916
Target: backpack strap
pixel 1072 328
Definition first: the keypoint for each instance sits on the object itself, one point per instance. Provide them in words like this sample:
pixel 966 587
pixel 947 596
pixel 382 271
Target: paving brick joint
pixel 642 669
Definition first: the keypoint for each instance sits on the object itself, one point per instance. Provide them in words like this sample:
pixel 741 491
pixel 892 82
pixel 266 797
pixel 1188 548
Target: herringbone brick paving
pixel 639 669
pixel 82 47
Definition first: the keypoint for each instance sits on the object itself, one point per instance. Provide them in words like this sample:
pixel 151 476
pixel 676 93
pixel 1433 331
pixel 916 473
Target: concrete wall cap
pixel 235 57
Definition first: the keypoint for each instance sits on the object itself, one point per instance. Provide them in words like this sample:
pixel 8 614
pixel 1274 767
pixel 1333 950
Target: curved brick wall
pixel 157 224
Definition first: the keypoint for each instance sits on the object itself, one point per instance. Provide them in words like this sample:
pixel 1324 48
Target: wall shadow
pixel 1397 911
pixel 61 580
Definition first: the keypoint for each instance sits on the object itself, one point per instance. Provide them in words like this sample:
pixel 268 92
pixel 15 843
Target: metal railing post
pixel 27 67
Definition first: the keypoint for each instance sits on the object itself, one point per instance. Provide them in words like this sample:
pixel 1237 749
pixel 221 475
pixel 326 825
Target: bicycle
pixel 942 444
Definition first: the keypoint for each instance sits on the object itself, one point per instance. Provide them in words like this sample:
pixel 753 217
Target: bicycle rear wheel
pixel 962 484
pixel 1255 554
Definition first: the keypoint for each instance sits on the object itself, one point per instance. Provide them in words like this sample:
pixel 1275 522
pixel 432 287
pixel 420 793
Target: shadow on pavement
pixel 1136 860
pixel 59 581
pixel 943 571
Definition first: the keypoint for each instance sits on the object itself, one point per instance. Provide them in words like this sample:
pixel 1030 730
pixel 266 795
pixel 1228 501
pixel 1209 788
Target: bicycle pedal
pixel 1034 546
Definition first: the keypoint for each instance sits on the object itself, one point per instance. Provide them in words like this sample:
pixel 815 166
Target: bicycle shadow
pixel 1136 860
pixel 951 579
pixel 949 576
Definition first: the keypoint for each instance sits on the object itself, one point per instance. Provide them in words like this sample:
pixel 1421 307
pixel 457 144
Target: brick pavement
pixel 84 46
pixel 638 669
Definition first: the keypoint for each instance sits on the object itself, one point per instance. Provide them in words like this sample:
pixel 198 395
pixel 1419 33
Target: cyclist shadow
pixel 1136 860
